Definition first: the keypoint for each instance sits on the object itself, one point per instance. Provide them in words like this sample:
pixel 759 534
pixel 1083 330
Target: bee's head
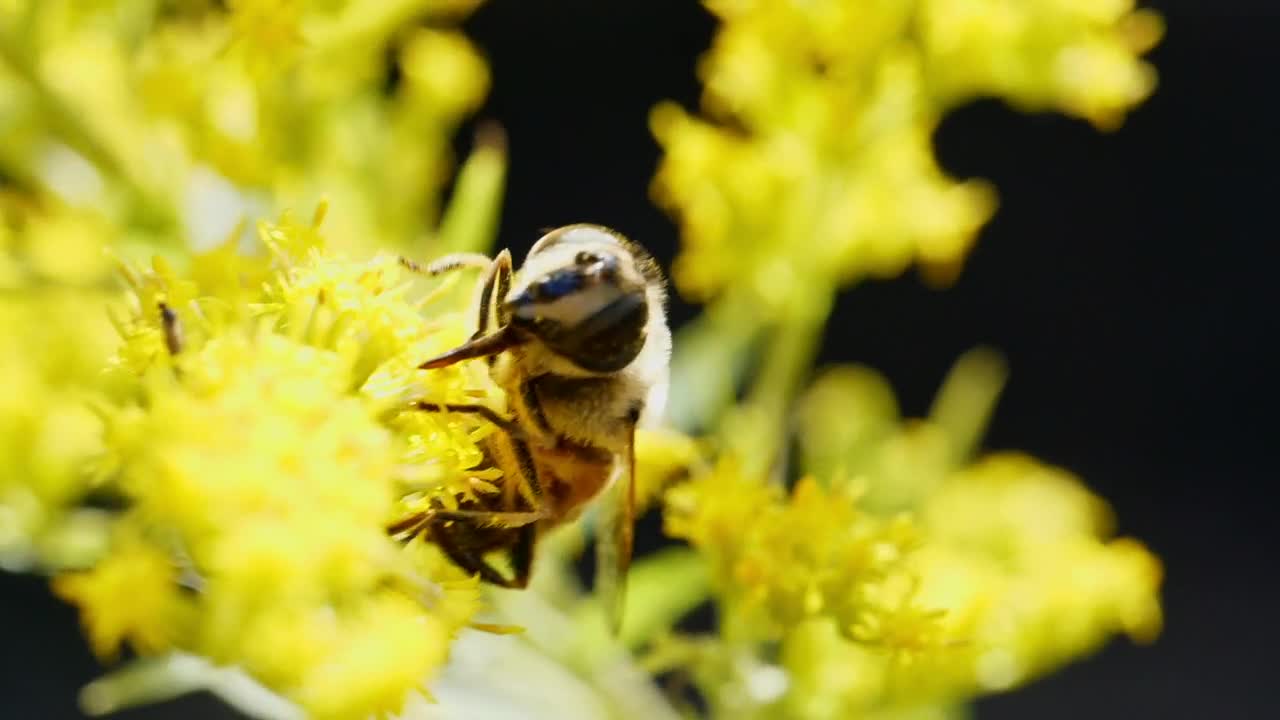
pixel 583 292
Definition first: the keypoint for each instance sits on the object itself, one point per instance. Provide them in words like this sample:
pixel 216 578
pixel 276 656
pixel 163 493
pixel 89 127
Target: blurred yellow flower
pixel 55 338
pixel 782 560
pixel 815 158
pixel 1080 58
pixel 135 129
pixel 927 577
pixel 132 594
pixel 899 577
pixel 254 432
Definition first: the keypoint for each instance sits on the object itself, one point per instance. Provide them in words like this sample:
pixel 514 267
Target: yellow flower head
pixel 815 159
pixel 949 578
pixel 781 560
pixel 55 342
pixel 131 595
pixel 263 446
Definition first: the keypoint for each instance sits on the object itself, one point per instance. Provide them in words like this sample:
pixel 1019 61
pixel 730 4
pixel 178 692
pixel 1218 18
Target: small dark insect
pixel 172 329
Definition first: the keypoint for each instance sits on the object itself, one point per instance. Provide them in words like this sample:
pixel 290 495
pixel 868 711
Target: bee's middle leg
pixel 499 275
pixel 522 556
pixel 530 486
pixel 507 425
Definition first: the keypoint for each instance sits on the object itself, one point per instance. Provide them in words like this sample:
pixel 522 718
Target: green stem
pixel 589 651
pixel 711 357
pixel 470 221
pixel 762 435
pixel 156 679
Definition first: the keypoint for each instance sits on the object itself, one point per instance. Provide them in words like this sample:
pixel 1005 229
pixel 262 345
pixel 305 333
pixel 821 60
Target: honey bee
pixel 578 340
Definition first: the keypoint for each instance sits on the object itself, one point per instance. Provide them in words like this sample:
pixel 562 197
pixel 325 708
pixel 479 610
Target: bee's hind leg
pixel 523 523
pixel 522 555
pixel 472 561
pixel 499 274
pixel 469 560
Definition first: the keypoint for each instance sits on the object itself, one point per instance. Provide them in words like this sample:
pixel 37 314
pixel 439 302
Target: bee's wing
pixel 615 534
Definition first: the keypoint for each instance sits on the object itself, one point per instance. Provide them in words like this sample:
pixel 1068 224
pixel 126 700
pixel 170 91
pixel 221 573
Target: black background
pixel 1128 277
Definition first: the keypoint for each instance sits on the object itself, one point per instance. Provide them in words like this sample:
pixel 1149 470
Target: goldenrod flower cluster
pixel 987 574
pixel 172 119
pixel 221 486
pixel 54 340
pixel 815 158
pixel 208 471
pixel 132 128
pixel 262 443
pixel 762 541
pixel 885 567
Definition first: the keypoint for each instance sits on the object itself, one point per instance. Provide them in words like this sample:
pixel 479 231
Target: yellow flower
pixel 1025 556
pixel 55 342
pixel 261 443
pixel 815 159
pixel 444 72
pixel 663 457
pixel 270 28
pixel 1079 58
pixel 780 560
pixel 174 125
pixel 948 578
pixel 265 451
pixel 376 660
pixel 131 595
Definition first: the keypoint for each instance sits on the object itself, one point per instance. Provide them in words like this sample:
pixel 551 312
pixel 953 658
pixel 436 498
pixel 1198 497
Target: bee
pixel 578 340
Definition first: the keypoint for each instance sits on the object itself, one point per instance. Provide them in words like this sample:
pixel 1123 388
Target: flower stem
pixel 761 431
pixel 169 676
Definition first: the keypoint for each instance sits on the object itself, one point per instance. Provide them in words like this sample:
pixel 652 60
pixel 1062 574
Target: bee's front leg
pixel 516 435
pixel 498 272
pixel 540 433
pixel 547 437
pixel 502 270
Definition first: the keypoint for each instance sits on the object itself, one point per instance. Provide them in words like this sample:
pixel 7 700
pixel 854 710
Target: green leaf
pixel 662 588
pixel 470 222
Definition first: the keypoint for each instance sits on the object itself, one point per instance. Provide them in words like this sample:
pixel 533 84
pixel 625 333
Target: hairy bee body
pixel 571 477
pixel 578 340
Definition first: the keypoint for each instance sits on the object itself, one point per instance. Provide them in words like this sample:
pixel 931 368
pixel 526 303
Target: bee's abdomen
pixel 571 475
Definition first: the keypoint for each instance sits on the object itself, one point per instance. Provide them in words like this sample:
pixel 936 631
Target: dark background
pixel 1128 278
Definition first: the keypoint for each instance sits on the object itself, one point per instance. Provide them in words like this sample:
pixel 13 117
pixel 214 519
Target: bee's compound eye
pixel 585 258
